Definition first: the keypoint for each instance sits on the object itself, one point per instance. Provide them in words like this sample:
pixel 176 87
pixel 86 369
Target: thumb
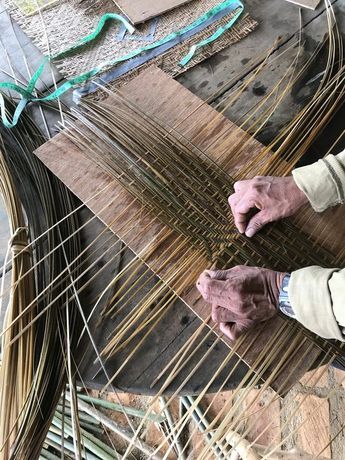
pixel 257 222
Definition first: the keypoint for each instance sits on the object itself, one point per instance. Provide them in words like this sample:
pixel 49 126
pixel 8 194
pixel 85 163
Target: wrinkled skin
pixel 241 297
pixel 245 296
pixel 273 197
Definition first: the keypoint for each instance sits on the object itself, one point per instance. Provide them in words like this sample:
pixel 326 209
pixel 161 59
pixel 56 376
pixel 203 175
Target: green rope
pixel 28 95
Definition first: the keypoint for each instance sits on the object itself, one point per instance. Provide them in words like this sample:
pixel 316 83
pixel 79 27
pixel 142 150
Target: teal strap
pixel 213 37
pixel 27 94
pixel 94 35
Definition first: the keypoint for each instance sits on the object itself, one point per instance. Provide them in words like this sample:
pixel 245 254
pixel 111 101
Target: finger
pixel 241 213
pixel 209 288
pixel 246 204
pixel 241 186
pixel 233 200
pixel 240 221
pixel 222 315
pixel 257 222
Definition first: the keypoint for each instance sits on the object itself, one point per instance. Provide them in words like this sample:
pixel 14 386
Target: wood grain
pixel 157 94
pixel 141 10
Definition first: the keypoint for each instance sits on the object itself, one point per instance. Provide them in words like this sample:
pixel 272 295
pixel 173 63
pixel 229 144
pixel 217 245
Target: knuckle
pixel 267 217
pixel 256 224
pixel 258 184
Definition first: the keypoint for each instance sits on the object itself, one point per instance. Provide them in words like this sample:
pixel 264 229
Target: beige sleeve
pixel 317 295
pixel 323 182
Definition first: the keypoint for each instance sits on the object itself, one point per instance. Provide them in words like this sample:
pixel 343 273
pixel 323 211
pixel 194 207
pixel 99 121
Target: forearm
pixel 317 297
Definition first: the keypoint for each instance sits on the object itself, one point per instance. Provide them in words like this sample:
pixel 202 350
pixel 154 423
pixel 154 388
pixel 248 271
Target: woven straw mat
pixel 67 22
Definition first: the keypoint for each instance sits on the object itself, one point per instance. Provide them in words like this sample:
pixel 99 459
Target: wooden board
pixel 310 4
pixel 141 10
pixel 153 92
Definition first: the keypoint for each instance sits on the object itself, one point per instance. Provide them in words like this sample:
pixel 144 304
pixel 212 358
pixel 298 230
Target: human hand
pixel 273 197
pixel 241 297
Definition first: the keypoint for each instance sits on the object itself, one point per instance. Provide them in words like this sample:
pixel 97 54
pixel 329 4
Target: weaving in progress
pixel 172 282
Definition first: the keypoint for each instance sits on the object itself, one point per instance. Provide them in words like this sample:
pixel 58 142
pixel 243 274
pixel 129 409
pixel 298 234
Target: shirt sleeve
pixel 317 297
pixel 323 182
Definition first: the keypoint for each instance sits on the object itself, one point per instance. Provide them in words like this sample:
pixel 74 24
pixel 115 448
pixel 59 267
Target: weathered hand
pixel 241 297
pixel 273 197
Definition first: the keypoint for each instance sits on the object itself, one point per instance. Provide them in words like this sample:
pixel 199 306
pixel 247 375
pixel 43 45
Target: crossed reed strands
pixel 181 185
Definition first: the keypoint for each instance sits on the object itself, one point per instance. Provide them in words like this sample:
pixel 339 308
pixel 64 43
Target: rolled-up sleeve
pixel 317 295
pixel 323 182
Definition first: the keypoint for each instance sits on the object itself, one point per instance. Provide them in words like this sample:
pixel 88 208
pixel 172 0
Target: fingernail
pixel 250 232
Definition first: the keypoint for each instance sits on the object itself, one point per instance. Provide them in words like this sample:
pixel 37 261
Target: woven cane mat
pixel 59 26
pixel 169 62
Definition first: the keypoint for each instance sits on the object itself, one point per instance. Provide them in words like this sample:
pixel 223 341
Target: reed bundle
pixel 19 381
pixel 183 193
pixel 35 340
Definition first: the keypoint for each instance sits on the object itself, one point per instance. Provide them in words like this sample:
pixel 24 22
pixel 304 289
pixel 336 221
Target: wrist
pixel 274 283
pixel 298 194
pixel 279 279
